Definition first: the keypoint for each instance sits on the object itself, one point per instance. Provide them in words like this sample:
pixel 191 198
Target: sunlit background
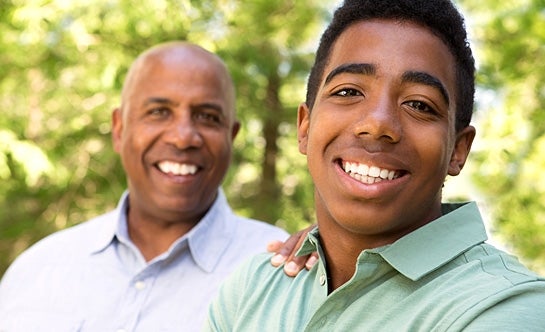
pixel 62 64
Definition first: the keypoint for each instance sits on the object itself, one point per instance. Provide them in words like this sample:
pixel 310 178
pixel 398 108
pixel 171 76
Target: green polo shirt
pixel 441 277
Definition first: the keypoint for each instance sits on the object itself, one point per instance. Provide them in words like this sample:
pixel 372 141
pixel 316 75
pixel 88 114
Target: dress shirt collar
pixel 458 229
pixel 210 238
pixel 110 224
pixel 207 240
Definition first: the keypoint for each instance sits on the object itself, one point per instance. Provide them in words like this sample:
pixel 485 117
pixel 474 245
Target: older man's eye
pixel 159 111
pixel 208 117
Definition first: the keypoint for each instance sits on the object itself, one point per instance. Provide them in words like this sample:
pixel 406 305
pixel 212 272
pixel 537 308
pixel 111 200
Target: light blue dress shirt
pixel 91 277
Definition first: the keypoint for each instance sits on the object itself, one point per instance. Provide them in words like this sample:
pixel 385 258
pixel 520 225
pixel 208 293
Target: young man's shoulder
pixel 254 287
pixel 482 288
pixel 500 265
pixel 248 279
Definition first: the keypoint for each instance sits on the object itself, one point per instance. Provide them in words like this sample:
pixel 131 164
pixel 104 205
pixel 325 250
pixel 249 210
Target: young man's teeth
pixel 176 168
pixel 368 174
pixel 374 171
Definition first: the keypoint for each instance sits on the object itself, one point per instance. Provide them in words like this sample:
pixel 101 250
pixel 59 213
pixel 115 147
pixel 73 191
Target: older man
pixel 154 263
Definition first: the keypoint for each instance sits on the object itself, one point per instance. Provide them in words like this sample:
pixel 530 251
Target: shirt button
pixel 322 279
pixel 139 285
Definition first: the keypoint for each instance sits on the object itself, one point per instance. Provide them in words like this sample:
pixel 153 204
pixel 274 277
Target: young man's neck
pixel 342 249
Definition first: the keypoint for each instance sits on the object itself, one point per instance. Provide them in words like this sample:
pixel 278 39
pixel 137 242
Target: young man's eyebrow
pixel 426 79
pixel 351 68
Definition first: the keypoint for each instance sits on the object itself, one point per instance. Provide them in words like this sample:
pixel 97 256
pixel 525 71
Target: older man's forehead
pixel 178 60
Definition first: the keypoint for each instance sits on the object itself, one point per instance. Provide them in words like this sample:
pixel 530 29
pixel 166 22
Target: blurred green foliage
pixel 62 64
pixel 509 158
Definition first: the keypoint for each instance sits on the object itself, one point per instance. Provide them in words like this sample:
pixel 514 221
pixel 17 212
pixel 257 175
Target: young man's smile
pixel 369 174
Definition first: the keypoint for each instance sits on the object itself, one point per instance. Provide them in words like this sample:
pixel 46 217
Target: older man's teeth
pixel 368 174
pixel 176 168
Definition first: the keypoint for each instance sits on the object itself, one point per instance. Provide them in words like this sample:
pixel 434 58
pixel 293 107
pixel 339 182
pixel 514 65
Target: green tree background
pixel 62 64
pixel 509 156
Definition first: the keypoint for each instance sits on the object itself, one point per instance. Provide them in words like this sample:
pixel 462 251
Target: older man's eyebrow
pixel 159 100
pixel 426 79
pixel 351 68
pixel 211 106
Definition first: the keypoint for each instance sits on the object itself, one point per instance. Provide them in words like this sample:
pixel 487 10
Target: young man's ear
pixel 303 122
pixel 464 139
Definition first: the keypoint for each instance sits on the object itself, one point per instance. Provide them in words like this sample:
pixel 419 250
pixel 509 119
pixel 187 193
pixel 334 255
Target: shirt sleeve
pixel 523 312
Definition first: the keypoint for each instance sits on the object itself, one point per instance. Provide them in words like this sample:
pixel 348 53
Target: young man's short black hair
pixel 441 17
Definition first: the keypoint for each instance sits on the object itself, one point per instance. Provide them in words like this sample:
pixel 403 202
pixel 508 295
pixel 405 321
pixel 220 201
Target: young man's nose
pixel 379 120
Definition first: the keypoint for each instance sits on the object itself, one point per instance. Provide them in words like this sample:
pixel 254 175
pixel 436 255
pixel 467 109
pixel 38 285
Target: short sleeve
pixel 522 312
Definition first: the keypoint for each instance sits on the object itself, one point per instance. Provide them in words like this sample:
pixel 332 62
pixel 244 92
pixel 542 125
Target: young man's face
pixel 380 138
pixel 174 134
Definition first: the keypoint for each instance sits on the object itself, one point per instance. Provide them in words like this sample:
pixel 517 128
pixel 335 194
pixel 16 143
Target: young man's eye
pixel 420 106
pixel 347 93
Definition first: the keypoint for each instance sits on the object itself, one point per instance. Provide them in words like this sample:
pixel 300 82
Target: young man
pixel 155 262
pixel 386 119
